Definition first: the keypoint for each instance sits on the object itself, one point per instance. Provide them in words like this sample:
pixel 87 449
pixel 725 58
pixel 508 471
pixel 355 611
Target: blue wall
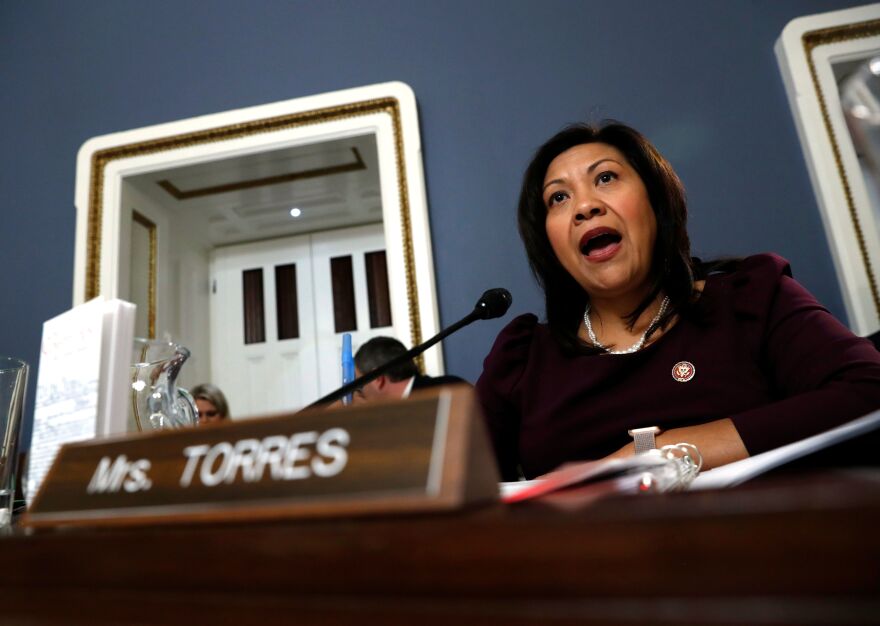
pixel 493 80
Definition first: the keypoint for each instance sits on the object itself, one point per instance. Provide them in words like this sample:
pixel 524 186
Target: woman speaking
pixel 734 357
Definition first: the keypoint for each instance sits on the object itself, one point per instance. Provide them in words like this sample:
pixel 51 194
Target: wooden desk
pixel 799 550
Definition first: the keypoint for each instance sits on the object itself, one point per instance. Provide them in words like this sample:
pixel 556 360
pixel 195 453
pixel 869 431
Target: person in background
pixel 398 382
pixel 211 403
pixel 643 339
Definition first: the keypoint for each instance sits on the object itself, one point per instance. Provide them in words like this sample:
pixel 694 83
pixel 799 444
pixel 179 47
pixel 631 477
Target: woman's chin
pixel 613 284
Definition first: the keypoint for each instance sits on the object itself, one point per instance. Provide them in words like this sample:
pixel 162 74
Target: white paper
pixel 66 407
pixel 82 382
pixel 738 472
pixel 114 390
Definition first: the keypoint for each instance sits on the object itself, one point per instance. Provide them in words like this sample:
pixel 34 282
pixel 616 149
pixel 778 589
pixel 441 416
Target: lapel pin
pixel 683 371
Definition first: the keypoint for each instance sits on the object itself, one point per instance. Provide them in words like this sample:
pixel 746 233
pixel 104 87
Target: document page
pixel 738 472
pixel 66 407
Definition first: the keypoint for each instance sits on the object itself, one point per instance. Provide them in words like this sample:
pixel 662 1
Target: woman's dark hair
pixel 672 268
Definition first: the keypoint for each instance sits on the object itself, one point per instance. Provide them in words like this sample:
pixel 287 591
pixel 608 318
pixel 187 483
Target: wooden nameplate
pixel 430 452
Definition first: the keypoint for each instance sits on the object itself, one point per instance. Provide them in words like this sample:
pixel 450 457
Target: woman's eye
pixel 555 198
pixel 605 177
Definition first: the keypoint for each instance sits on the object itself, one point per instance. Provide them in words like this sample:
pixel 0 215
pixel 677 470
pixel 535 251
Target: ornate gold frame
pixel 102 158
pixel 811 41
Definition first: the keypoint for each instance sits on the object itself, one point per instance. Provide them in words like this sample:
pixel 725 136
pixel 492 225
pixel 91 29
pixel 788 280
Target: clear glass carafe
pixel 156 400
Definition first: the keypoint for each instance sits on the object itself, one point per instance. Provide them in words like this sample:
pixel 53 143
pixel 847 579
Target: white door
pixel 357 306
pixel 278 348
pixel 263 348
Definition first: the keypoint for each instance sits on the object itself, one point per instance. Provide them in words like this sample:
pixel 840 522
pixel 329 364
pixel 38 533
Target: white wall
pixel 182 272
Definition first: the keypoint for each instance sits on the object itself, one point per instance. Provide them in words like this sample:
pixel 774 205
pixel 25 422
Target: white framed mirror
pixel 830 65
pixel 255 237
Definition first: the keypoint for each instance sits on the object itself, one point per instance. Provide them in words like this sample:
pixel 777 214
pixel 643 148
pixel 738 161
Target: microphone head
pixel 493 303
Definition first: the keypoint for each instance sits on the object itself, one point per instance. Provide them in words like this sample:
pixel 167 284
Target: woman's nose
pixel 588 210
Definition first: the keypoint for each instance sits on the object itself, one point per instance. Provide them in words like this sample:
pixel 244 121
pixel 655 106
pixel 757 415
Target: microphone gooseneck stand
pixel 493 303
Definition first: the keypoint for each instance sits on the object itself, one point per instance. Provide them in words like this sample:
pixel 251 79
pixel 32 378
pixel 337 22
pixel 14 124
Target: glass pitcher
pixel 156 400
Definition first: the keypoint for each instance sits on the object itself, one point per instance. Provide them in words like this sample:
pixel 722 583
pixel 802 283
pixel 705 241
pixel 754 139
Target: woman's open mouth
pixel 600 243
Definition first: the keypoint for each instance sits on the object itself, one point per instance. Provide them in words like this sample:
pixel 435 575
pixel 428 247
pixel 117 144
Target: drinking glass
pixel 13 383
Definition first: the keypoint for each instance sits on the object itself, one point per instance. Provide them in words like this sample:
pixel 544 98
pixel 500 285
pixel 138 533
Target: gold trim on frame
pixel 151 272
pixel 388 105
pixel 811 41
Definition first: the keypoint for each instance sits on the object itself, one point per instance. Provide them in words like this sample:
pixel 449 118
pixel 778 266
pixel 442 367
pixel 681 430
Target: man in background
pixel 399 381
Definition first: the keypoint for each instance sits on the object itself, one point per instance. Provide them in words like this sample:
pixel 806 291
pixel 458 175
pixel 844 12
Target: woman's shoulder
pixel 767 264
pixel 524 324
pixel 756 272
pixel 516 337
pixel 510 353
pixel 752 283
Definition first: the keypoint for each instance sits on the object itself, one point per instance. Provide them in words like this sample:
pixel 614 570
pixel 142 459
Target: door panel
pixel 272 374
pixel 326 246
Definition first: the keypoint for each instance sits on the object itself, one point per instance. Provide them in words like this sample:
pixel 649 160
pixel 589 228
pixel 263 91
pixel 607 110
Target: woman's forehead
pixel 583 155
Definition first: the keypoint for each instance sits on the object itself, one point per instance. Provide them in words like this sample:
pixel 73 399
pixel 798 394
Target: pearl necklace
pixel 637 345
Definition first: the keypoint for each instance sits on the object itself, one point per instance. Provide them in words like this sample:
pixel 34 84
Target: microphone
pixel 493 303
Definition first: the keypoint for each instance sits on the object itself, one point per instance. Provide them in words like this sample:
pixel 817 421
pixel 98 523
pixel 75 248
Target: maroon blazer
pixel 760 350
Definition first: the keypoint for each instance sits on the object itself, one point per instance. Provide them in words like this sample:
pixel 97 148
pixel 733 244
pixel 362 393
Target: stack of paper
pixel 82 381
pixel 586 481
pixel 733 474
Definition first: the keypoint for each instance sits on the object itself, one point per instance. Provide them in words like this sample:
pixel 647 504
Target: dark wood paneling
pixel 287 303
pixel 254 309
pixel 377 289
pixel 342 276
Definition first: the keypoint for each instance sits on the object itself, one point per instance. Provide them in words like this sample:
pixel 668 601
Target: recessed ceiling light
pixel 295 212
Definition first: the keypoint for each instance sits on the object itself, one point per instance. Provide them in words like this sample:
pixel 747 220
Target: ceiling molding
pixel 178 194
